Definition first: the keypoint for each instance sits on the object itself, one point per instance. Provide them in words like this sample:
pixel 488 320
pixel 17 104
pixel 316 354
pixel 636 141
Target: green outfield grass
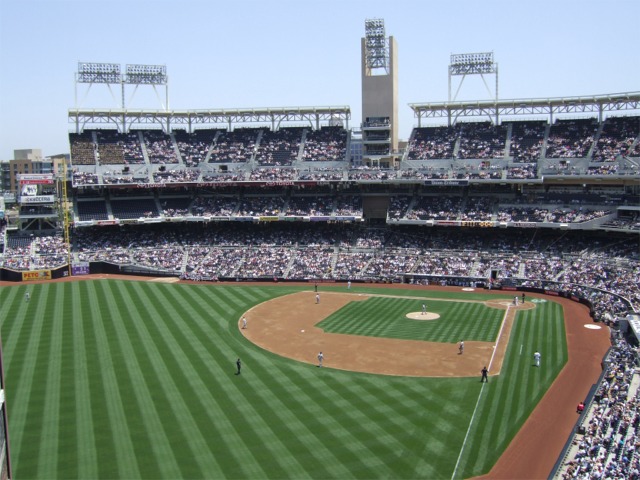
pixel 127 379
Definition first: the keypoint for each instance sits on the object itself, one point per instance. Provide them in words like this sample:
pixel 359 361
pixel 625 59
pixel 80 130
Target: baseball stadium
pixel 288 292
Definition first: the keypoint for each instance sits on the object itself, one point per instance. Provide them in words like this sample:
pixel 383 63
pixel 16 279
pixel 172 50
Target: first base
pixel 301 331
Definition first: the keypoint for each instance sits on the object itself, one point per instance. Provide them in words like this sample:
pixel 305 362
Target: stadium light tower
pixel 92 73
pixel 376 47
pixel 463 64
pixel 154 75
pixel 379 96
pixel 111 74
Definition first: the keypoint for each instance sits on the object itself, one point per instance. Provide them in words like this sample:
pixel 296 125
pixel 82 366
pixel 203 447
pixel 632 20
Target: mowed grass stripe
pixel 340 430
pixel 189 392
pixel 151 446
pixel 326 433
pixel 391 446
pixel 200 345
pixel 554 353
pixel 67 405
pixel 29 404
pixel 482 447
pixel 257 295
pixel 284 408
pixel 52 381
pixel 386 317
pixel 205 307
pixel 12 319
pixel 372 419
pixel 510 397
pixel 116 452
pixel 160 362
pixel 505 399
pixel 82 427
pixel 175 337
pixel 133 367
pixel 16 334
pixel 509 407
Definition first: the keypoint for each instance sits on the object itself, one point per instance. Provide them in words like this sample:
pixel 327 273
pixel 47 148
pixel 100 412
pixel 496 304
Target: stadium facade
pixel 531 194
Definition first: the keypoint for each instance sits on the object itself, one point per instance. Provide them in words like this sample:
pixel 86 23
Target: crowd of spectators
pixel 273 174
pixel 564 215
pixel 348 205
pixel 322 174
pixel 159 147
pixel 182 175
pixel 426 173
pixel 612 149
pixel 481 140
pixel 627 221
pixel 224 177
pixel 603 169
pixel 84 178
pixel 83 148
pixel 522 171
pixel 261 206
pixel 329 144
pixel 398 207
pixel 371 173
pixel 312 263
pixel 313 206
pixel 478 208
pixel 279 148
pixel 432 143
pixel 571 138
pixel 450 205
pixel 606 273
pixel 235 146
pixel 480 172
pixel 608 445
pixel 618 137
pixel 116 148
pixel 527 139
pixel 522 214
pixel 194 147
pixel 435 208
pixel 34 252
pixel 175 207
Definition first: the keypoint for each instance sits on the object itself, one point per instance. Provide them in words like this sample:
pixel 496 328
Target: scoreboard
pixel 36 189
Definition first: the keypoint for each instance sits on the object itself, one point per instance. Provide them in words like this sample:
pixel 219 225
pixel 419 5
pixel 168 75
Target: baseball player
pixel 536 358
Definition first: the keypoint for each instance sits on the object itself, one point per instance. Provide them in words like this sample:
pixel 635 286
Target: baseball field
pixel 113 378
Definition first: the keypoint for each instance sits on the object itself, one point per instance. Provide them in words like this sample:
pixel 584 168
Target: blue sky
pixel 281 53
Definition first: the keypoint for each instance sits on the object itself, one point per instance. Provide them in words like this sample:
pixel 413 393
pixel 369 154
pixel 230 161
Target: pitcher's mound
pixel 423 316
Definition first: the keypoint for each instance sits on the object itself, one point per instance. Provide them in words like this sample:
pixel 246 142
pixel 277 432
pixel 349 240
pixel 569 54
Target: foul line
pixel 475 409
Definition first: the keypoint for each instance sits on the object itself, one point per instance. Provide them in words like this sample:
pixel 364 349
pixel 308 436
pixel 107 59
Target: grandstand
pixel 549 204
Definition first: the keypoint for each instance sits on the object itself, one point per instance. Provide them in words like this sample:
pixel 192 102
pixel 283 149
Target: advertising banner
pixel 37 199
pixel 36 275
pixel 36 179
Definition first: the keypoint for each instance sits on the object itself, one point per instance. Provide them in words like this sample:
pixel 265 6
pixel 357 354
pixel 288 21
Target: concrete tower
pixel 379 96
